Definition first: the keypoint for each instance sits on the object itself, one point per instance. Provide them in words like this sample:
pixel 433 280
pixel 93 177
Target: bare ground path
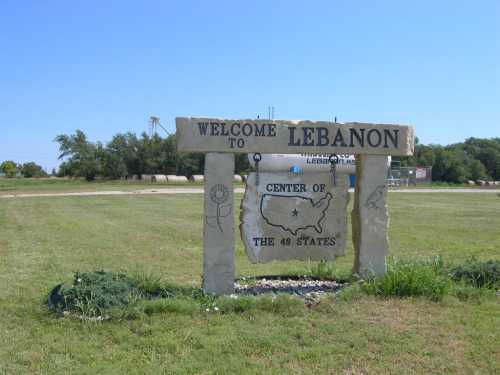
pixel 200 191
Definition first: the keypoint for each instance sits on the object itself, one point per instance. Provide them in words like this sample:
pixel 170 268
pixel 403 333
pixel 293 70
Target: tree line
pixel 128 154
pixel 475 159
pixel 12 169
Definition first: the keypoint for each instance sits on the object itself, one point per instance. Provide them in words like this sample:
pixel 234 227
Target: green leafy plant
pixel 93 292
pixel 153 286
pixel 410 277
pixel 148 283
pixel 478 274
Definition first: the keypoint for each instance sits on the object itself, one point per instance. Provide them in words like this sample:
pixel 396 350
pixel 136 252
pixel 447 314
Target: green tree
pixel 170 156
pixel 487 151
pixel 9 168
pixel 490 158
pixel 113 166
pixel 127 148
pixel 84 157
pixel 31 169
pixel 190 163
pixel 241 163
pixel 66 169
pixel 448 166
pixel 476 170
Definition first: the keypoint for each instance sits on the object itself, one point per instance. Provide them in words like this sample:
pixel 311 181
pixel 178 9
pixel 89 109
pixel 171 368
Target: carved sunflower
pixel 219 194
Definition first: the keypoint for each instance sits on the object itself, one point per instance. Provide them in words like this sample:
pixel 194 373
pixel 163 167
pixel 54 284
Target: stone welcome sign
pixel 293 215
pixel 291 137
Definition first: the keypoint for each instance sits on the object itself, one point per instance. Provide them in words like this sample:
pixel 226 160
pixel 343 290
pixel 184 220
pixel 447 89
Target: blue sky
pixel 106 66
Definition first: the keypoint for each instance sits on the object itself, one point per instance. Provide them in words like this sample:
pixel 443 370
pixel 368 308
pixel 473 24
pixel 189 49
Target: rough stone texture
pixel 370 218
pixel 277 139
pixel 302 224
pixel 218 228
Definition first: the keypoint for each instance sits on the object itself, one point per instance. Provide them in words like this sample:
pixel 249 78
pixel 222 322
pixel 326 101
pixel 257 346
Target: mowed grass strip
pixel 9 186
pixel 44 240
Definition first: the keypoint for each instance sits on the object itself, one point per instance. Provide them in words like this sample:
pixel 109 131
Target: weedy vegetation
pixel 478 273
pixel 410 278
pixel 112 295
pixel 108 295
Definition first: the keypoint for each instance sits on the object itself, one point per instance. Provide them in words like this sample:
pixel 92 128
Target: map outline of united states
pixel 316 226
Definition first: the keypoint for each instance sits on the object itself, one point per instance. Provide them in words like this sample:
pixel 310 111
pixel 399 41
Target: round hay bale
pixel 146 177
pixel 173 178
pixel 237 178
pixel 197 178
pixel 159 178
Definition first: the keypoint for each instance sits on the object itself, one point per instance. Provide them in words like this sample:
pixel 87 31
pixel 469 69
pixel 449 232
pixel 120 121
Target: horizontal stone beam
pixel 291 137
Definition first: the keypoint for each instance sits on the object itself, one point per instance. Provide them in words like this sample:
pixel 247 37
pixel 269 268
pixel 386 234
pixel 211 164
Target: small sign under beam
pixel 291 137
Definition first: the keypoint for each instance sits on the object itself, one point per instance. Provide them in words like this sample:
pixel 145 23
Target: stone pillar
pixel 218 225
pixel 370 218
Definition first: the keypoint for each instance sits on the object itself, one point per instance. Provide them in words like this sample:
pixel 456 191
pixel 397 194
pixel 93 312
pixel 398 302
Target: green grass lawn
pixel 67 185
pixel 44 240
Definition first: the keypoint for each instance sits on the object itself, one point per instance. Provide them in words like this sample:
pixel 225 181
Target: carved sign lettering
pixel 290 137
pixel 294 216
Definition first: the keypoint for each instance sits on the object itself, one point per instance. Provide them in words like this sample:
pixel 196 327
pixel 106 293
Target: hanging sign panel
pixel 291 137
pixel 420 173
pixel 306 163
pixel 288 216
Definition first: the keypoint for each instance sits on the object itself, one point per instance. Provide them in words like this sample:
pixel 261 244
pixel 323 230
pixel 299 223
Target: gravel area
pixel 311 291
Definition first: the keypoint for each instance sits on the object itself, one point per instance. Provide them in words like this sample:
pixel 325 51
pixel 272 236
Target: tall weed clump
pixel 410 277
pixel 91 293
pixel 478 274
